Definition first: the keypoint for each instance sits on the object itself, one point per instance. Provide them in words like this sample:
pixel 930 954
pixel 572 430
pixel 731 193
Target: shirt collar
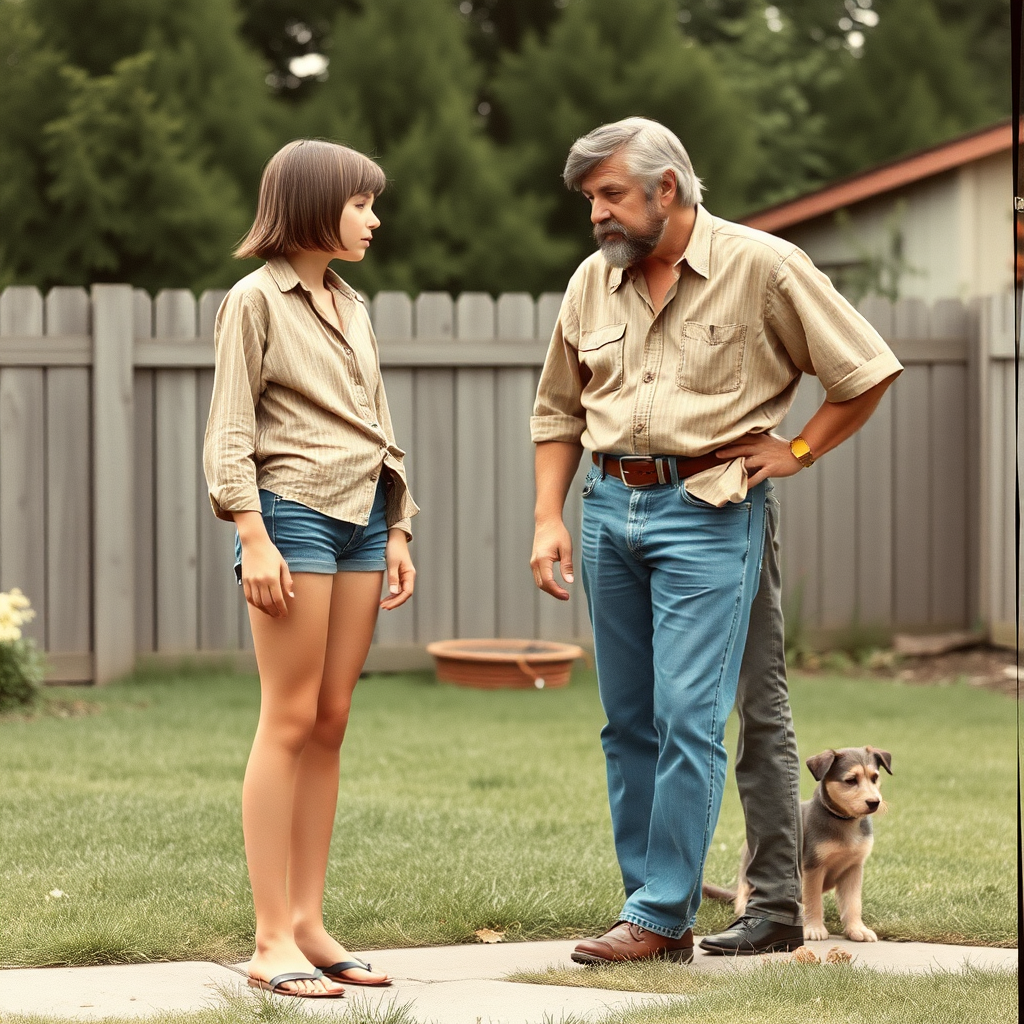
pixel 698 249
pixel 697 253
pixel 286 279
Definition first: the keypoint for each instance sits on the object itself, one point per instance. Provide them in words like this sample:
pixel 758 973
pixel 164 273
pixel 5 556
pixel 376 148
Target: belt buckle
pixel 623 459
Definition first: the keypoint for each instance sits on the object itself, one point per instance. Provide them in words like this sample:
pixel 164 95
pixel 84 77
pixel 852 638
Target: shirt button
pixel 648 377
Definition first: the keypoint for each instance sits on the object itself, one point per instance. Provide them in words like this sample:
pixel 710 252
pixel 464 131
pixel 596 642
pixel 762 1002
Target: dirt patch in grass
pixel 990 668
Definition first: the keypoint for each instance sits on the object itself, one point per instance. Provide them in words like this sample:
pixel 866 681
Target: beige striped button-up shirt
pixel 298 407
pixel 748 315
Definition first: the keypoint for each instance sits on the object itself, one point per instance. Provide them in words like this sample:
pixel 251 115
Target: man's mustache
pixel 610 227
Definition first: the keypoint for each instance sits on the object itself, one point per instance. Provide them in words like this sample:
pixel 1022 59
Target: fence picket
pixel 800 522
pixel 69 483
pixel 515 590
pixel 476 459
pixel 177 535
pixel 23 461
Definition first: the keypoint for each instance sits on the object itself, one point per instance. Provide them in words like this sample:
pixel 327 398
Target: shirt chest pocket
pixel 600 351
pixel 711 358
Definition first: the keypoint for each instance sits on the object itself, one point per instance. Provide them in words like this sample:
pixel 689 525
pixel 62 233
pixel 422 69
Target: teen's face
pixel 358 222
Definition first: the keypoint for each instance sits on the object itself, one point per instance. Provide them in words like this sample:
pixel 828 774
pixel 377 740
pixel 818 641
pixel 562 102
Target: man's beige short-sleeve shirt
pixel 749 314
pixel 298 407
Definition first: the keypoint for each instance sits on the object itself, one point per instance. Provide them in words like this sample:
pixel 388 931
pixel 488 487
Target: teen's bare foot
pixel 287 958
pixel 324 951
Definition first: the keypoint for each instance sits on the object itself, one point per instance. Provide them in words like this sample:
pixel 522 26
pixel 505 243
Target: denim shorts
pixel 309 541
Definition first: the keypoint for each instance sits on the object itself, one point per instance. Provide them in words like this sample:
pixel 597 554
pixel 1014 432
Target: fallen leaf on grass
pixel 488 935
pixel 838 956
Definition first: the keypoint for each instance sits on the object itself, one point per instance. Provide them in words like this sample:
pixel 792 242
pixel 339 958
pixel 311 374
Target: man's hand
pixel 551 544
pixel 764 455
pixel 401 572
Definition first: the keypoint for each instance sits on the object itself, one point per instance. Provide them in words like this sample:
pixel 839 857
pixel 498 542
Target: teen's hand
pixel 265 575
pixel 551 544
pixel 401 571
pixel 764 455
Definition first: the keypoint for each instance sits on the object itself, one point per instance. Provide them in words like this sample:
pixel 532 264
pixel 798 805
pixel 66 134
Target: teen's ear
pixel 820 763
pixel 883 759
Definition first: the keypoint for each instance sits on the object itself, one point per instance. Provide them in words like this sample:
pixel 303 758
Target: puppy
pixel 837 839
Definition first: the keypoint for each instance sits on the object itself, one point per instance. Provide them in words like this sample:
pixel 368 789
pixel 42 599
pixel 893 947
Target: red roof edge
pixel 885 178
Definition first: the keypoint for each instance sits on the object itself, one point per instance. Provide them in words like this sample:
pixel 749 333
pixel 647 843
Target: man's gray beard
pixel 631 246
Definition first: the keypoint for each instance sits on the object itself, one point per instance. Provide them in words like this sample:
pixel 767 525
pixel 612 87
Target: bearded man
pixel 678 350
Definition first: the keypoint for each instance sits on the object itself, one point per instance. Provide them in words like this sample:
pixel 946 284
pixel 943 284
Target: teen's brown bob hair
pixel 303 191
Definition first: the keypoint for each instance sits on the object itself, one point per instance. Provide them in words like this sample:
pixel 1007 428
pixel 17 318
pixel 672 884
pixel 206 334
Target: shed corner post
pixel 112 485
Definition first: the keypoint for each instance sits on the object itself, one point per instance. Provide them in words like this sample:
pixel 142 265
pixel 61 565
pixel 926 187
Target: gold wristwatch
pixel 801 451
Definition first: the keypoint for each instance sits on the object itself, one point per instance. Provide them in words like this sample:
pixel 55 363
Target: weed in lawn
pixel 780 993
pixel 458 810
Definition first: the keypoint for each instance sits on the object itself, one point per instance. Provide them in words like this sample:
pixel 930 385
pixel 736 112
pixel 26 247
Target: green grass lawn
pixel 458 810
pixel 779 993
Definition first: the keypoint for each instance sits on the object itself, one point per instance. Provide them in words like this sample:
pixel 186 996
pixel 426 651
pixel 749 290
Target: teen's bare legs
pixel 291 652
pixel 353 615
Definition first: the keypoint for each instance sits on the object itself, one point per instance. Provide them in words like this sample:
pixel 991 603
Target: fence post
pixel 112 490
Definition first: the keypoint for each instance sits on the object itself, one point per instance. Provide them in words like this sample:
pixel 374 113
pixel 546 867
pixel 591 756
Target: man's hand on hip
pixel 764 455
pixel 551 544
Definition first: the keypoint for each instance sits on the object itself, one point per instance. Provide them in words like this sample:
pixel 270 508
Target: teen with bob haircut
pixel 300 454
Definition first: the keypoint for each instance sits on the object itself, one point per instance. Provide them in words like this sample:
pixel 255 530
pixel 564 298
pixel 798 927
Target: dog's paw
pixel 860 933
pixel 814 932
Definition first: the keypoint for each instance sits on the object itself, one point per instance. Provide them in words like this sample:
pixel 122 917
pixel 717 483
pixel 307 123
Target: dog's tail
pixel 716 892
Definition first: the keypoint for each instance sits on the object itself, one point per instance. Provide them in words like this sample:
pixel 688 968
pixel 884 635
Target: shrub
pixel 21 664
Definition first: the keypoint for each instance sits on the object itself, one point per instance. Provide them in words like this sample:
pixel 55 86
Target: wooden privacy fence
pixel 105 523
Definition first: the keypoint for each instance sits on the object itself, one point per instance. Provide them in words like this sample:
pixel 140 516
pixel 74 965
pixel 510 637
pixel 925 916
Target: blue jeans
pixel 670 581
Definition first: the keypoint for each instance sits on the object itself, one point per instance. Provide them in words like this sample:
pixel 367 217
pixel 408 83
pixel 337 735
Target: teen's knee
pixel 331 723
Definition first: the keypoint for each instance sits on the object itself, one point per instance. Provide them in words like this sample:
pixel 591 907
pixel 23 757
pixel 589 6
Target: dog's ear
pixel 883 759
pixel 820 763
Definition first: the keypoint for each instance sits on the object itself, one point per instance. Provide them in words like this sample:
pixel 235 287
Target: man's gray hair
pixel 649 149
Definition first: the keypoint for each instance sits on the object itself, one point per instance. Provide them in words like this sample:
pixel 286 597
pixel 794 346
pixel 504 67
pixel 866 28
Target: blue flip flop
pixel 336 973
pixel 275 983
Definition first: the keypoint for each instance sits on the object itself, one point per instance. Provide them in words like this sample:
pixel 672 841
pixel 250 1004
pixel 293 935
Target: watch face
pixel 800 448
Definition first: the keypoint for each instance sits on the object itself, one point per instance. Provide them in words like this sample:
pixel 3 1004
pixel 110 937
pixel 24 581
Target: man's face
pixel 627 225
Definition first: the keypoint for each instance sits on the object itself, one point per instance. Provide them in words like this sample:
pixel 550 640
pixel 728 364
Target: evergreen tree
pixel 131 140
pixel 402 86
pixel 914 86
pixel 32 93
pixel 130 202
pixel 201 70
pixel 609 59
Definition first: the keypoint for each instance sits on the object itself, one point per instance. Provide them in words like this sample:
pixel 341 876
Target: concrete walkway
pixel 445 985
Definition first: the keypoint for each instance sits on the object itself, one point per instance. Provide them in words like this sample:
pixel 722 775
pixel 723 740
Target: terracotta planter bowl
pixel 504 664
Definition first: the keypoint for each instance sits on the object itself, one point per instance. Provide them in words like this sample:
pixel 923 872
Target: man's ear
pixel 820 763
pixel 669 186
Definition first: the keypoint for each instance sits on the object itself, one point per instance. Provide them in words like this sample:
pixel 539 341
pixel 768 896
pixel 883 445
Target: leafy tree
pixel 201 69
pixel 131 140
pixel 130 200
pixel 32 93
pixel 914 86
pixel 402 85
pixel 285 29
pixel 609 59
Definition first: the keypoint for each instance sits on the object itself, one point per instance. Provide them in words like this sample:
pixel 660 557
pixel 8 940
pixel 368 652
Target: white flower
pixel 15 611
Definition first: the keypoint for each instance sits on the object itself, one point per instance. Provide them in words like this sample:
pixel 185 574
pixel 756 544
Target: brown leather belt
pixel 650 470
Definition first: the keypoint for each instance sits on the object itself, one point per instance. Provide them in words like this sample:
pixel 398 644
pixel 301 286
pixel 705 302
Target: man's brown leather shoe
pixel 628 941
